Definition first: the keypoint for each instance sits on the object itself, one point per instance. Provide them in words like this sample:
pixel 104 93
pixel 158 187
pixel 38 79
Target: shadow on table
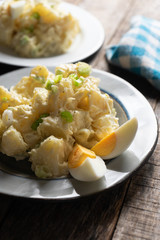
pixel 5 68
pixel 137 81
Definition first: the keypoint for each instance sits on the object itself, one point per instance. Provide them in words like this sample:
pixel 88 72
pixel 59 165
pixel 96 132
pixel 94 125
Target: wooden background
pixel 129 212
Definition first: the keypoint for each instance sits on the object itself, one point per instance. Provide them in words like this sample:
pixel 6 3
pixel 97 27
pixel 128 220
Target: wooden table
pixel 130 211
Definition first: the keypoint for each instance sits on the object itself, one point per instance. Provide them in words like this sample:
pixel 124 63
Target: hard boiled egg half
pixel 87 165
pixel 84 165
pixel 118 141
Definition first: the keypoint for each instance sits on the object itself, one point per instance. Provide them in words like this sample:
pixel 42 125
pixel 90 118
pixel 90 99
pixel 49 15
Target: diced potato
pixel 84 103
pixel 18 147
pixel 65 69
pixel 82 119
pixel 54 126
pixel 2 128
pixel 22 118
pixel 43 101
pixel 32 138
pixel 25 87
pixel 86 137
pixel 49 159
pixel 7 99
pixel 40 71
pixel 104 125
pixel 100 104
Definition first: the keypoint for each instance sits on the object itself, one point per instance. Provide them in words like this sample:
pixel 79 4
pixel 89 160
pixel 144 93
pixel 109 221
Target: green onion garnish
pixel 73 76
pixel 35 15
pixel 24 40
pixel 76 80
pixel 38 78
pixel 57 79
pixel 48 84
pixel 59 72
pixel 4 99
pixel 38 121
pixel 67 116
pixel 83 69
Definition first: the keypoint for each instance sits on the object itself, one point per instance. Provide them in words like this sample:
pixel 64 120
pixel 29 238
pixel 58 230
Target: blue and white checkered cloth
pixel 139 50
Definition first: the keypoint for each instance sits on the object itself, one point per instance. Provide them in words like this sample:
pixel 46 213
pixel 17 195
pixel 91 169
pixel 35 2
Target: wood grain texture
pixel 140 217
pixel 89 218
pixel 131 211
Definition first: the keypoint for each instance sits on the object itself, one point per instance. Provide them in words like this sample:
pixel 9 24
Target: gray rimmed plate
pixel 17 179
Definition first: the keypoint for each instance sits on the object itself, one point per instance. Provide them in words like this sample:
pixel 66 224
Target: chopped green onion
pixel 59 72
pixel 36 124
pixel 48 84
pixel 75 80
pixel 38 78
pixel 57 79
pixel 24 40
pixel 4 99
pixel 67 116
pixel 73 76
pixel 83 69
pixel 35 15
pixel 82 78
pixel 38 121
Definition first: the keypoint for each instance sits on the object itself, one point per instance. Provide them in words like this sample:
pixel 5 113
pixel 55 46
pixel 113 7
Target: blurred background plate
pixel 88 41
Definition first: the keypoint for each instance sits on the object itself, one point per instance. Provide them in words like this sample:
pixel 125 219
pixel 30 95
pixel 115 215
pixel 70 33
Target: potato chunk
pixel 18 147
pixel 49 159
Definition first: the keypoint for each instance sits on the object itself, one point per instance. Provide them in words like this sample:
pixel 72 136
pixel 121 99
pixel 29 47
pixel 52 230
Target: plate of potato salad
pixel 70 131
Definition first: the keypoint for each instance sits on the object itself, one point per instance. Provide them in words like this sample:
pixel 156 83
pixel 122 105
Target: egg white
pixel 90 170
pixel 124 137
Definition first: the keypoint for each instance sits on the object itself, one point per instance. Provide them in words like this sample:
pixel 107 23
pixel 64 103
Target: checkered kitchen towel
pixel 139 50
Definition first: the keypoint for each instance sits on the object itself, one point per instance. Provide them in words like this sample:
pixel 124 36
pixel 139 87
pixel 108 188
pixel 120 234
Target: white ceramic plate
pixel 88 41
pixel 17 179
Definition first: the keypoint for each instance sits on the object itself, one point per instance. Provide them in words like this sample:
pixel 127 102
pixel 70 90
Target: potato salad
pixel 36 28
pixel 45 115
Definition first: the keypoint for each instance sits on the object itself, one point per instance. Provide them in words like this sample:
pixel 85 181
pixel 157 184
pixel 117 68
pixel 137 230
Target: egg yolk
pixel 105 146
pixel 84 103
pixel 46 14
pixel 78 156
